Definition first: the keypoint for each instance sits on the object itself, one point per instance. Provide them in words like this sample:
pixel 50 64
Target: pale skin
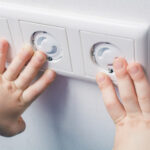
pixel 132 116
pixel 16 90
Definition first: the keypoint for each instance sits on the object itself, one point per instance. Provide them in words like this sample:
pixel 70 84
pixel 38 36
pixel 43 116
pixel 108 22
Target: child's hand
pixel 15 92
pixel 132 118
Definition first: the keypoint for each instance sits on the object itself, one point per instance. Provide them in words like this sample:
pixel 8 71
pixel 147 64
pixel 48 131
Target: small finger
pixel 142 87
pixel 111 101
pixel 3 54
pixel 18 63
pixel 32 92
pixel 31 70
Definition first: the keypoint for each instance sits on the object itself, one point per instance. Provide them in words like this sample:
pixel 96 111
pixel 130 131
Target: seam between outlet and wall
pixel 69 50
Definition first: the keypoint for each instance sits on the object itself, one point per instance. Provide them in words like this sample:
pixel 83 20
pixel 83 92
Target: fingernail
pixel 43 53
pixel 27 46
pixel 51 74
pixel 101 78
pixel 40 56
pixel 118 64
pixel 133 70
pixel 3 44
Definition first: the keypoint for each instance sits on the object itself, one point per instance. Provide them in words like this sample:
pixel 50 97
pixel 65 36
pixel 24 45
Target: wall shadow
pixel 54 102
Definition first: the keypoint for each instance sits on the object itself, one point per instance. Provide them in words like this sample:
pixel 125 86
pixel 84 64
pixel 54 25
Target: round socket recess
pixel 104 54
pixel 45 42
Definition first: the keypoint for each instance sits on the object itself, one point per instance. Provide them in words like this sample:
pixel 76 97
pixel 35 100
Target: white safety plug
pixel 104 54
pixel 45 42
pixel 52 40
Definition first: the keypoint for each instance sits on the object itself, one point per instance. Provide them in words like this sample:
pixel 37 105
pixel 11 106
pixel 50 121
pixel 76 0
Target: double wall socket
pixel 76 45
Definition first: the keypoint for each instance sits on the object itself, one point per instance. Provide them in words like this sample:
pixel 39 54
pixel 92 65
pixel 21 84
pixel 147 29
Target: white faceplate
pixel 124 45
pixel 76 34
pixel 28 29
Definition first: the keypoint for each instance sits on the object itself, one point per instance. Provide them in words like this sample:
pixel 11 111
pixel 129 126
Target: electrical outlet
pixel 99 51
pixel 103 54
pixel 52 41
pixel 101 48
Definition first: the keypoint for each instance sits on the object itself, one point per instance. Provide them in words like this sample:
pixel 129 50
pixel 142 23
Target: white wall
pixel 137 10
pixel 70 115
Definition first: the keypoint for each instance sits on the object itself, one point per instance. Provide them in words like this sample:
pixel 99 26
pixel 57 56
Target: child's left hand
pixel 16 93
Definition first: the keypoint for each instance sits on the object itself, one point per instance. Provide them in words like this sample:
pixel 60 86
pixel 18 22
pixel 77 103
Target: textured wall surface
pixel 70 115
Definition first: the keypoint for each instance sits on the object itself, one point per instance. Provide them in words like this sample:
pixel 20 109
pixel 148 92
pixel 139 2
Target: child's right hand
pixel 16 93
pixel 132 116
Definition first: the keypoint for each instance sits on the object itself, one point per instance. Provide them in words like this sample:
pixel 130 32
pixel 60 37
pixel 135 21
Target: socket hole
pixel 111 71
pixel 49 58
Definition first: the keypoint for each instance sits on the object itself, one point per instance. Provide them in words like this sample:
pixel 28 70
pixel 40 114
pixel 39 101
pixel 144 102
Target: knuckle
pixel 121 73
pixel 24 77
pixel 9 87
pixel 111 105
pixel 11 69
pixel 35 91
pixel 126 98
pixel 144 98
pixel 36 63
pixel 105 84
pixel 140 77
pixel 119 121
pixel 45 83
pixel 122 76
